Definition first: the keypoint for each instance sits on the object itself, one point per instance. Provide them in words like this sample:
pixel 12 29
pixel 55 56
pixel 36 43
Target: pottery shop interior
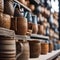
pixel 29 29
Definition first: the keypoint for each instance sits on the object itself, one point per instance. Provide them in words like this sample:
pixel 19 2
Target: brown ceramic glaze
pixel 7 48
pixel 8 7
pixel 5 20
pixel 44 48
pixel 41 29
pixel 35 48
pixel 50 47
pixel 19 24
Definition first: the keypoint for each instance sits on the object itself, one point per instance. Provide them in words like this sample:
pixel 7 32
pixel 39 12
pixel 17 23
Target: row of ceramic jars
pixel 35 48
pixel 6 6
pixel 44 11
pixel 20 23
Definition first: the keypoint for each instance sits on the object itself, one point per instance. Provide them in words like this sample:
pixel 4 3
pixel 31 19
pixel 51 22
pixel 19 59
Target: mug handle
pixel 21 50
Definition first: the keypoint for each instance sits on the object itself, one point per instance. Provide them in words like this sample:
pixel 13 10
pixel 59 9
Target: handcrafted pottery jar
pixel 41 29
pixel 8 45
pixel 32 7
pixel 8 7
pixel 35 48
pixel 26 50
pixel 5 20
pixel 19 24
pixel 44 48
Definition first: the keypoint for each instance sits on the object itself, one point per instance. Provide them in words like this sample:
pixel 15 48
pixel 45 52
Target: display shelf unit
pixel 48 56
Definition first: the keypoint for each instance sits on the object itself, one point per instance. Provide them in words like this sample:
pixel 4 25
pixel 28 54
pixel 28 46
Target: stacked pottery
pixel 7 45
pixel 25 50
pixel 5 20
pixel 41 29
pixel 35 48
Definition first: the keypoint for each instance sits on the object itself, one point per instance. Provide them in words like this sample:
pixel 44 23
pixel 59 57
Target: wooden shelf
pixel 49 56
pixel 39 36
pixel 22 37
pixel 23 5
pixel 6 32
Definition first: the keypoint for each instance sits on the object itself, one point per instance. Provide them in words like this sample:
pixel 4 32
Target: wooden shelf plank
pixel 22 37
pixel 6 32
pixel 23 5
pixel 39 36
pixel 48 56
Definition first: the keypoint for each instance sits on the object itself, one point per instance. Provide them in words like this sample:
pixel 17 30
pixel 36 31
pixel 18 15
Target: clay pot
pixel 5 21
pixel 51 33
pixel 50 47
pixel 8 45
pixel 19 24
pixel 26 54
pixel 35 48
pixel 7 48
pixel 44 48
pixel 8 7
pixel 1 5
pixel 40 29
pixel 34 28
pixel 32 7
